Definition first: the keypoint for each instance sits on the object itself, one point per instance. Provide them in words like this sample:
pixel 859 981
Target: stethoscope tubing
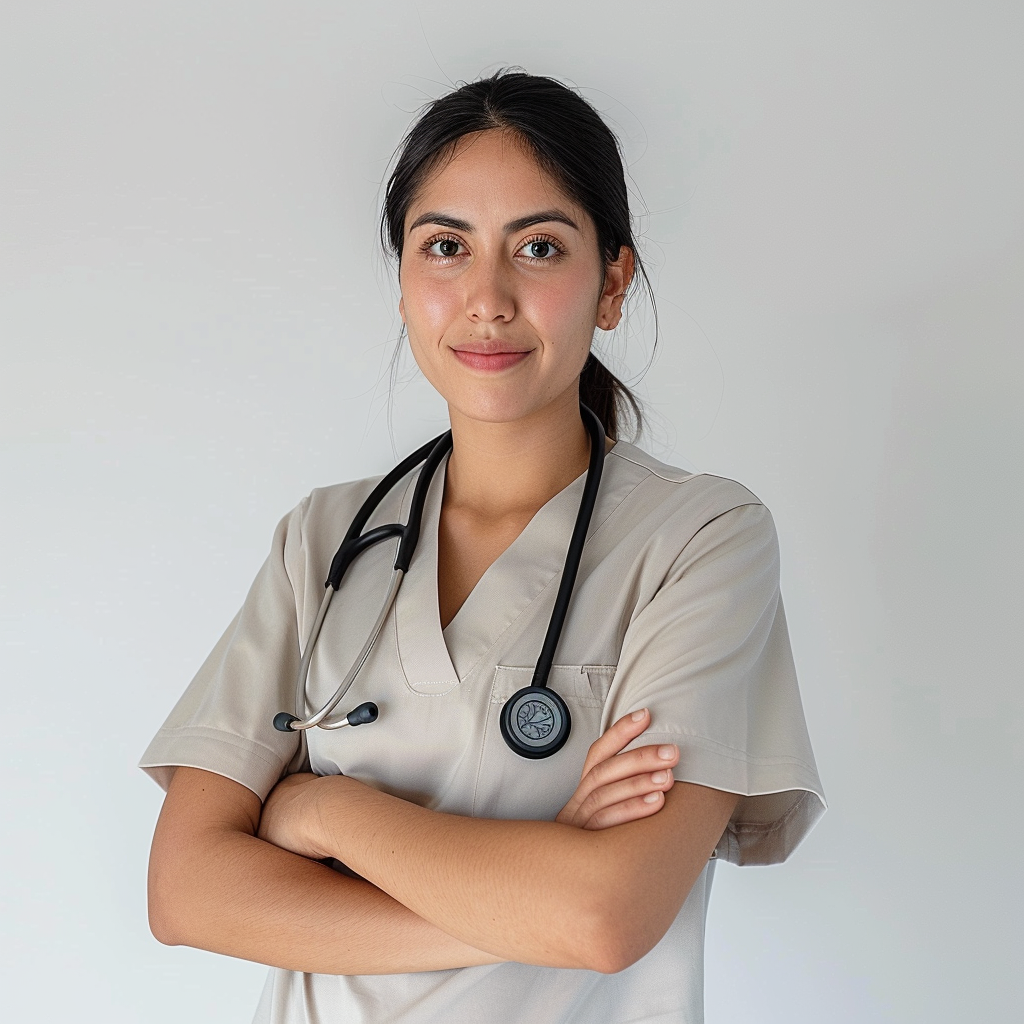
pixel 355 542
pixel 575 553
pixel 307 655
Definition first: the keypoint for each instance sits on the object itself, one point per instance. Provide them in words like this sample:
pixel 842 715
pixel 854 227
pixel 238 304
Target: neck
pixel 511 469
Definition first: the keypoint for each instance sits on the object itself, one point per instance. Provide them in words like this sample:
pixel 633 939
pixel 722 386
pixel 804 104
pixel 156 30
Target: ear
pixel 617 275
pixel 401 309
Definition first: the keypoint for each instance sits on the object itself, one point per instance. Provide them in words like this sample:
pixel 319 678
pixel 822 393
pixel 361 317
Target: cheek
pixel 566 307
pixel 428 307
pixel 428 314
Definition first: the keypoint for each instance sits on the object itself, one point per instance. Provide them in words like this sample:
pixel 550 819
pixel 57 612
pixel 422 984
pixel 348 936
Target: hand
pixel 291 812
pixel 616 788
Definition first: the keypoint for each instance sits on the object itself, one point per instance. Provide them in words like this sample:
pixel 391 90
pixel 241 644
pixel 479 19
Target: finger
pixel 616 736
pixel 608 744
pixel 634 787
pixel 629 810
pixel 650 758
pixel 620 766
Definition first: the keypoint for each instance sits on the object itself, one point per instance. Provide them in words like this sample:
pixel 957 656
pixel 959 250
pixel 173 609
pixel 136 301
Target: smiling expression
pixel 502 282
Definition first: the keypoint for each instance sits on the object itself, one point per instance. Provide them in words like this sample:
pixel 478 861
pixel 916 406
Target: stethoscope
pixel 535 721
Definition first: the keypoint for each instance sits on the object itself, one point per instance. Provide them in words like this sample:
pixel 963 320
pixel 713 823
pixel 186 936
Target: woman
pixel 477 884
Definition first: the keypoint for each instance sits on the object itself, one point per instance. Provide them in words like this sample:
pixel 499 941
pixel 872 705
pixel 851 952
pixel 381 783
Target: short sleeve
pixel 710 656
pixel 224 720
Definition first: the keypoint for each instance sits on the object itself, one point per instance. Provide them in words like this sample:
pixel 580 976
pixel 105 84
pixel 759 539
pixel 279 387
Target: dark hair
pixel 571 142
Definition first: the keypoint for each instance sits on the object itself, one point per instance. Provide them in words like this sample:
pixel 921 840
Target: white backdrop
pixel 196 331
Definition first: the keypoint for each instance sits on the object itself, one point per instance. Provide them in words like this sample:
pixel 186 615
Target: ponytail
pixel 609 399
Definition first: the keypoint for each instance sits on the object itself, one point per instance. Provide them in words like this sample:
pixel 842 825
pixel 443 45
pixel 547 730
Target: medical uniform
pixel 676 608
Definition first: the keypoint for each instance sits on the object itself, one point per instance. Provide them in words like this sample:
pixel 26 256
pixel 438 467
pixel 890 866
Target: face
pixel 502 282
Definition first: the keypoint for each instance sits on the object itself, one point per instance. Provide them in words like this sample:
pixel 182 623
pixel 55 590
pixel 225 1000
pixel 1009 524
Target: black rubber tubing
pixel 575 552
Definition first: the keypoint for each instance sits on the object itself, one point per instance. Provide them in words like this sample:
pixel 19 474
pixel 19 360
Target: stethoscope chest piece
pixel 535 722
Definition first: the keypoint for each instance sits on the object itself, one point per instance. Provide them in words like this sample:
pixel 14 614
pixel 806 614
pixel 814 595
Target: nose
pixel 489 294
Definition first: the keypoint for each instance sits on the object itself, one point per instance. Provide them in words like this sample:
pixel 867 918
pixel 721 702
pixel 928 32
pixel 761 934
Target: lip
pixel 493 355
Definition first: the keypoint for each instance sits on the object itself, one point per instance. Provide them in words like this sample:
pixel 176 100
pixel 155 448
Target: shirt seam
pixel 250 746
pixel 661 476
pixel 765 828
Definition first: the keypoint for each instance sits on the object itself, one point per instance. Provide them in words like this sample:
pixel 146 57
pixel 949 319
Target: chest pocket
pixel 509 786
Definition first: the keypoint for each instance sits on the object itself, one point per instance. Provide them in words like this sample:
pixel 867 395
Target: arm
pixel 545 893
pixel 215 886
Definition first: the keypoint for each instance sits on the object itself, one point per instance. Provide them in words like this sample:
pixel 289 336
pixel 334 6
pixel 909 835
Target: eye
pixel 543 250
pixel 444 248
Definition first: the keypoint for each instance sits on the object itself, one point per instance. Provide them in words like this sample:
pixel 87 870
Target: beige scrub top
pixel 676 608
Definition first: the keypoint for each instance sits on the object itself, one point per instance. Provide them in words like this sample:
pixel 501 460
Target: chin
pixel 495 412
pixel 496 408
pixel 518 397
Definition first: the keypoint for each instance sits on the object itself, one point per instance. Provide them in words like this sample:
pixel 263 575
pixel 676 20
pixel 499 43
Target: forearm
pixel 531 891
pixel 220 889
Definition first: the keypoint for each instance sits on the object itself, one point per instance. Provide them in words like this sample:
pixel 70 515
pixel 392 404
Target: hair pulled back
pixel 571 142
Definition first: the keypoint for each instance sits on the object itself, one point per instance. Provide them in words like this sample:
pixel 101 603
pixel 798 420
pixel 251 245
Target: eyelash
pixel 447 260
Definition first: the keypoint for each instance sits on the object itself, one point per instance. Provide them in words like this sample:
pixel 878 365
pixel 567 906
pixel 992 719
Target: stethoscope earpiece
pixel 535 722
pixel 362 715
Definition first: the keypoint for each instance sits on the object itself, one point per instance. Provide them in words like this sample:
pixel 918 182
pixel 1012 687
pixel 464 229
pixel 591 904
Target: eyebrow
pixel 519 224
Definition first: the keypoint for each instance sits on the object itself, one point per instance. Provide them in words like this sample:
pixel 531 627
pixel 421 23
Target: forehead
pixel 491 175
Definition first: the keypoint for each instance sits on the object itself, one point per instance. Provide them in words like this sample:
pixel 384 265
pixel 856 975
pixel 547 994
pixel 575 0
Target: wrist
pixel 332 797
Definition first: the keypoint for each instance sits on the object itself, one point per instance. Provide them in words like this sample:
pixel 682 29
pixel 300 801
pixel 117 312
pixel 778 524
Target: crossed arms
pixel 437 890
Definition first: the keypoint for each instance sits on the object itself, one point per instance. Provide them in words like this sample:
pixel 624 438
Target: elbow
pixel 172 888
pixel 162 931
pixel 162 927
pixel 614 953
pixel 611 943
pixel 163 922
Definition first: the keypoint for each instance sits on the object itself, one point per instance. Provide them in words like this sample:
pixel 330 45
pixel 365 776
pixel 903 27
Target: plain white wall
pixel 196 331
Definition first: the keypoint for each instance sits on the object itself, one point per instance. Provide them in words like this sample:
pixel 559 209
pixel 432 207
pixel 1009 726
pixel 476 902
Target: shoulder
pixel 308 535
pixel 681 484
pixel 327 507
pixel 702 545
pixel 678 504
pixel 338 499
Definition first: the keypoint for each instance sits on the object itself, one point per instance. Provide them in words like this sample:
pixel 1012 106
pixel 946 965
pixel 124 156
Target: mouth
pixel 492 356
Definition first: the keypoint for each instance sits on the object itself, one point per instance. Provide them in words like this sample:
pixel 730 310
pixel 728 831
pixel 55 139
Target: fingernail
pixel 638 715
pixel 667 751
pixel 651 798
pixel 659 777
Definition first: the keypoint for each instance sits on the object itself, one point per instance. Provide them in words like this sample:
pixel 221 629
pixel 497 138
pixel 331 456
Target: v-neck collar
pixel 434 661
